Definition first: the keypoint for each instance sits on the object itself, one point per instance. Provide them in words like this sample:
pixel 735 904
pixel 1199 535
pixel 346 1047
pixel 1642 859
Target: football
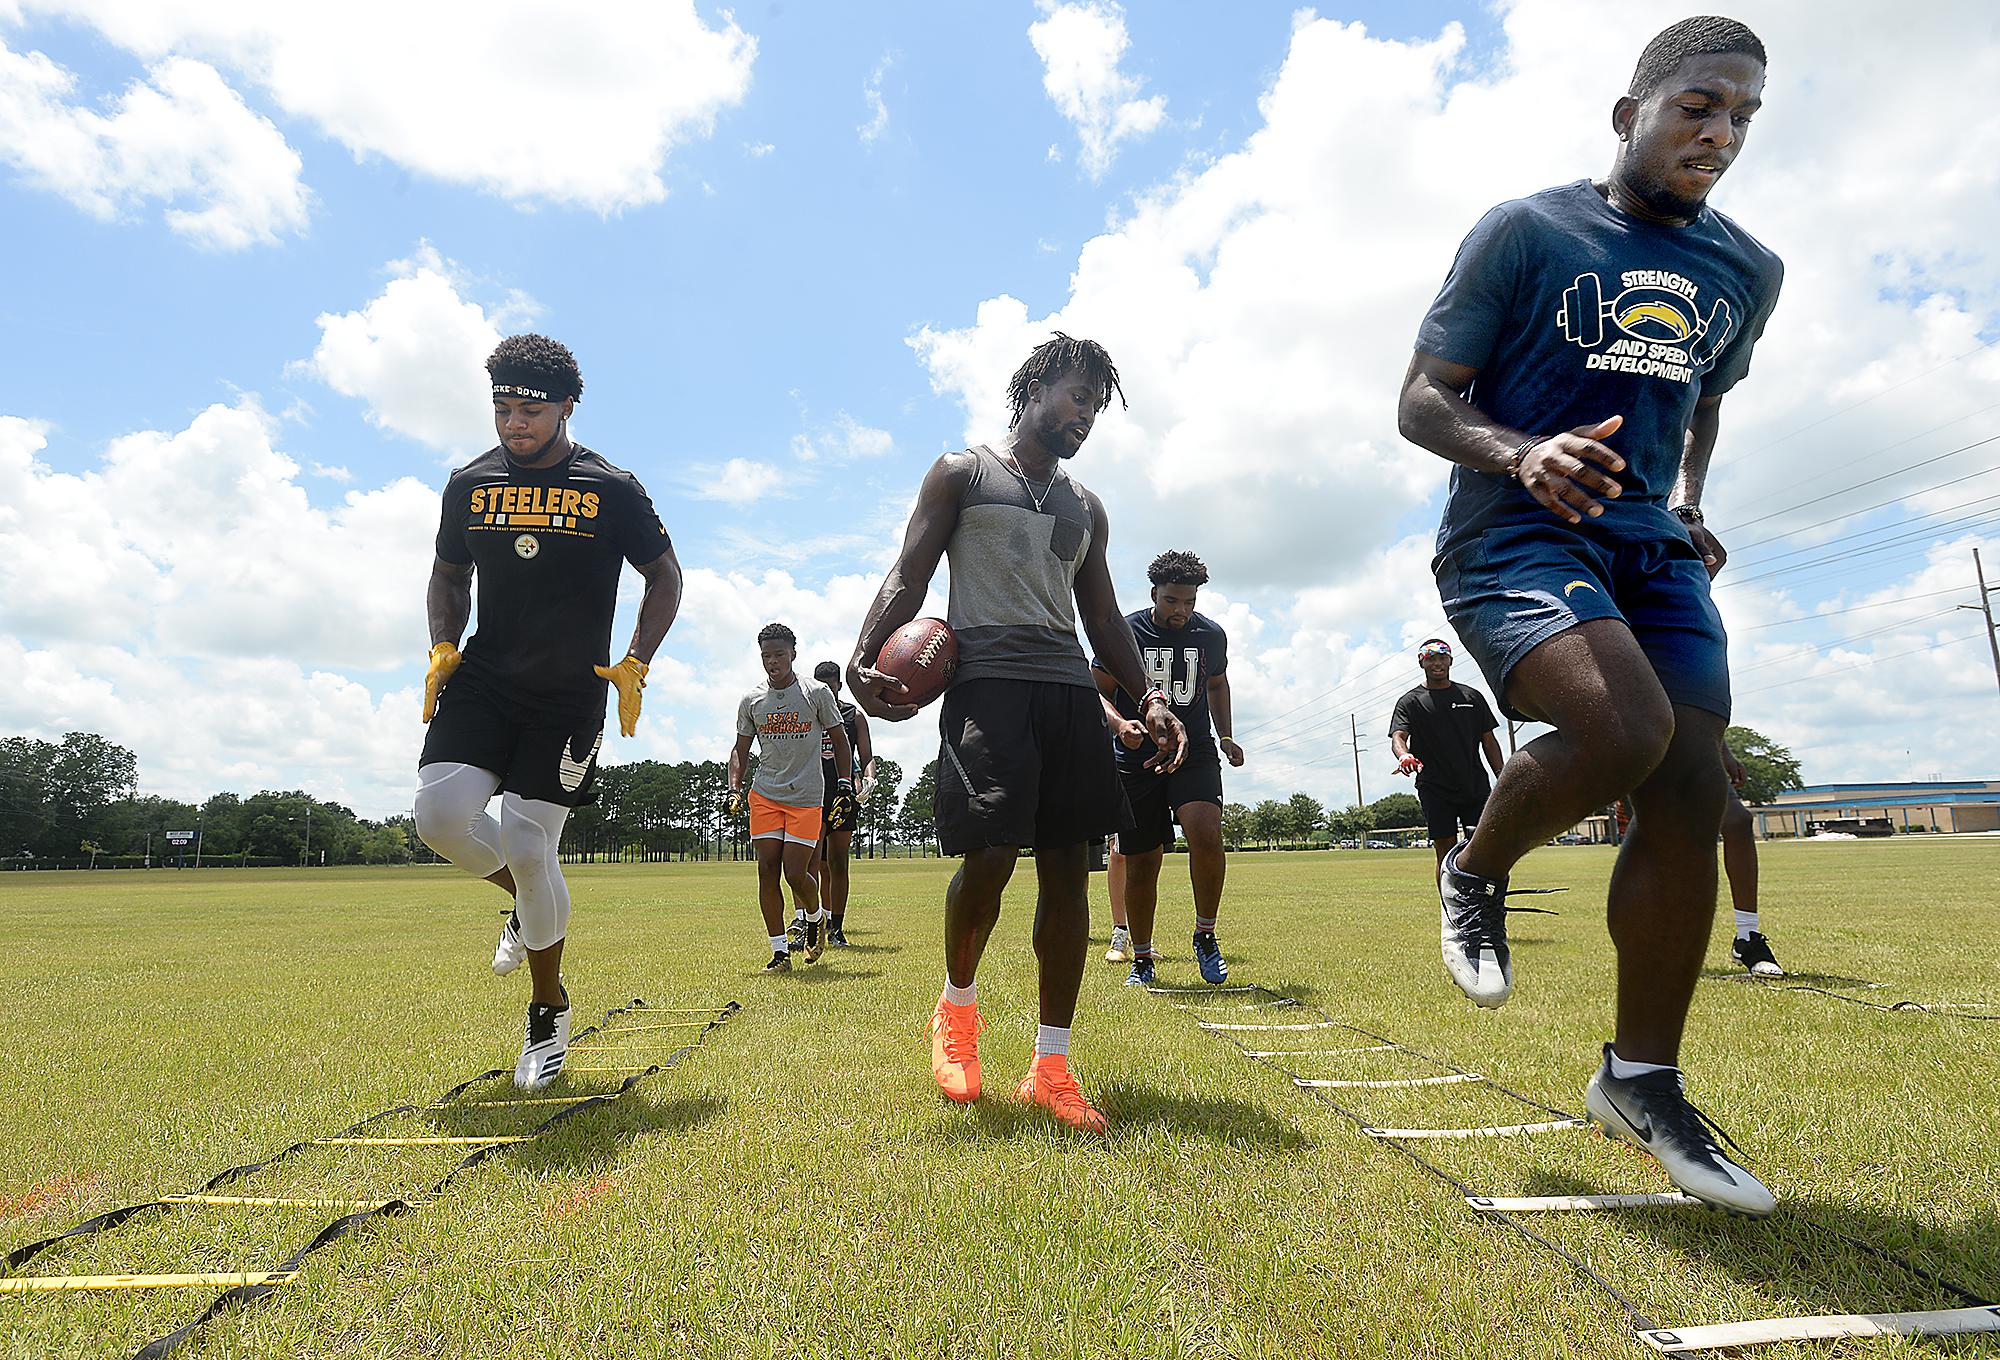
pixel 922 654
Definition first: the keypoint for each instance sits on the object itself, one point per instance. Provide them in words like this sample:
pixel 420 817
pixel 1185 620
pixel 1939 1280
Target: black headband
pixel 531 393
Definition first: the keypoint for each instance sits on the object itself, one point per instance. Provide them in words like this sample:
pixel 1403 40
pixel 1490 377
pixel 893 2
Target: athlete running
pixel 842 806
pixel 1574 366
pixel 1739 862
pixel 789 718
pixel 543 523
pixel 1024 759
pixel 1186 655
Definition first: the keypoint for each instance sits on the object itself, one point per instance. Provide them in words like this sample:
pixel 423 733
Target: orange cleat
pixel 1050 1085
pixel 955 1032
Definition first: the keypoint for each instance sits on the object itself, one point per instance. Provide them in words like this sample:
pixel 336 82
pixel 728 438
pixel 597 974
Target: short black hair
pixel 1057 355
pixel 537 363
pixel 827 672
pixel 1176 567
pixel 777 632
pixel 1703 35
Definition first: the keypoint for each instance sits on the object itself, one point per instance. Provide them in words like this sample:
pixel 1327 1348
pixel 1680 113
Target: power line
pixel 1863 665
pixel 1852 609
pixel 1821 648
pixel 1900 526
pixel 1882 477
pixel 1901 546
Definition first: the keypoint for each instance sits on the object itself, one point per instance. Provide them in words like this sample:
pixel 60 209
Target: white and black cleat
pixel 510 953
pixel 544 1047
pixel 1652 1113
pixel 1472 931
pixel 1753 951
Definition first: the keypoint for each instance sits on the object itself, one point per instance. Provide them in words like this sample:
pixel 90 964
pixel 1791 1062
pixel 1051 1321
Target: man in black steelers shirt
pixel 545 524
pixel 1186 656
pixel 1437 733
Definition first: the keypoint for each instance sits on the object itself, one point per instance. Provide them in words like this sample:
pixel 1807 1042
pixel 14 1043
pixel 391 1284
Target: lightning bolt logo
pixel 1574 586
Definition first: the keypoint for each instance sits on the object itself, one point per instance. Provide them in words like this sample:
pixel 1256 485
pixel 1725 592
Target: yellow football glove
pixel 629 676
pixel 444 660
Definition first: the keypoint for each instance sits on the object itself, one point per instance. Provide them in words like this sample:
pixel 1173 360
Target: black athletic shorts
pixel 1445 809
pixel 549 761
pixel 1025 762
pixel 1156 798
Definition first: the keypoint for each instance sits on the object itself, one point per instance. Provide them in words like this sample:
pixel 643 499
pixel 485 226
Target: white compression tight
pixel 453 820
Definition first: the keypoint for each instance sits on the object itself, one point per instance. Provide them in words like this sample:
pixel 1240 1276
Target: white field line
pixel 1453 1079
pixel 1517 1204
pixel 1829 1327
pixel 1497 1131
pixel 1315 1052
pixel 1310 1024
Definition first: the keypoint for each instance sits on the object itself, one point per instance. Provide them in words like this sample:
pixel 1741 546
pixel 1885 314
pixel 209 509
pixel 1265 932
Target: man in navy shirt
pixel 1574 366
pixel 1186 656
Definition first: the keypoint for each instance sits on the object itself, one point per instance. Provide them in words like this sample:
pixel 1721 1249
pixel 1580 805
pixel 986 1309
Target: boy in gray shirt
pixel 788 718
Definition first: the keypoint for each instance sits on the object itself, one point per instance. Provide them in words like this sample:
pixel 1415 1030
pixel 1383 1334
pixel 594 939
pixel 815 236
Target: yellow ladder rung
pixel 647 1068
pixel 506 1104
pixel 641 1029
pixel 276 1202
pixel 37 1284
pixel 414 1142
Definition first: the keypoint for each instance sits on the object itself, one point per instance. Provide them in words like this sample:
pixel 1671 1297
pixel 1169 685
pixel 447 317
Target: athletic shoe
pixel 1049 1085
pixel 955 1032
pixel 814 948
pixel 1208 954
pixel 1754 952
pixel 1473 932
pixel 1121 946
pixel 1142 972
pixel 510 953
pixel 795 935
pixel 781 962
pixel 544 1047
pixel 836 938
pixel 1652 1113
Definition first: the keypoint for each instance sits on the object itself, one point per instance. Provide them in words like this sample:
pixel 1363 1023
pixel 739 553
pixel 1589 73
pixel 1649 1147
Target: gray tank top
pixel 1013 569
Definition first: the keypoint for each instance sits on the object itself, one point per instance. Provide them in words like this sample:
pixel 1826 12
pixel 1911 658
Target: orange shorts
pixel 799 825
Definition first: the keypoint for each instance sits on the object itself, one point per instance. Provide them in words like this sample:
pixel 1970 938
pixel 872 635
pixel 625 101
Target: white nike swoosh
pixel 570 773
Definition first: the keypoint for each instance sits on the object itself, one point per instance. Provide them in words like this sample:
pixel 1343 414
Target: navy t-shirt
pixel 1572 312
pixel 1181 661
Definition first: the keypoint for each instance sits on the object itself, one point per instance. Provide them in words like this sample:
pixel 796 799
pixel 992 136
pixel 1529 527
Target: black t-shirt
pixel 826 765
pixel 1445 726
pixel 1181 661
pixel 546 545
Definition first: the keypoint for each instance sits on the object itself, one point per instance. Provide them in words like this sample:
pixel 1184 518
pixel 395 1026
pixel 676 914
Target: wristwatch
pixel 1687 514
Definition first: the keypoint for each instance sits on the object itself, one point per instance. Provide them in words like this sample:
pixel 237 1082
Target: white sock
pixel 968 995
pixel 816 916
pixel 1746 922
pixel 1142 950
pixel 799 915
pixel 1051 1039
pixel 1625 1071
pixel 778 945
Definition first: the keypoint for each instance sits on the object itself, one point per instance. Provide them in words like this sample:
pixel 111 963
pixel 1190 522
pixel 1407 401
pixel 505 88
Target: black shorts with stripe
pixel 551 760
pixel 1025 762
pixel 1157 799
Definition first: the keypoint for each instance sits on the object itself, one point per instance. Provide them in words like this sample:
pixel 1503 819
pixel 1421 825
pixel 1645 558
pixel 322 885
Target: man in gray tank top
pixel 1025 757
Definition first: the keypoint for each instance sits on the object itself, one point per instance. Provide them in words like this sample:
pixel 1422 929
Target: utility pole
pixel 197 835
pixel 305 855
pixel 1985 607
pixel 1354 735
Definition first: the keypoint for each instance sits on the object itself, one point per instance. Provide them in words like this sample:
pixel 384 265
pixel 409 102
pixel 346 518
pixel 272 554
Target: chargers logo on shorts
pixel 1575 586
pixel 1656 327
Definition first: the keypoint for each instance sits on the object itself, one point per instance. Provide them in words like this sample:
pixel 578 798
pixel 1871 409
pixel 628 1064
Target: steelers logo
pixel 526 546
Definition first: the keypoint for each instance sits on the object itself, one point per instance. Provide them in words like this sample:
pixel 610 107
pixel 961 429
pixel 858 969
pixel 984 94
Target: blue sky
pixel 823 294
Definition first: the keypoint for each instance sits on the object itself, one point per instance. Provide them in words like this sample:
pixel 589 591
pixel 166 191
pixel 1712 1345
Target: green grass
pixel 798 1188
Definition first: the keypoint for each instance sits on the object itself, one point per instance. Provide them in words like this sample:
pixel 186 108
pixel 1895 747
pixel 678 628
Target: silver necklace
pixel 1014 467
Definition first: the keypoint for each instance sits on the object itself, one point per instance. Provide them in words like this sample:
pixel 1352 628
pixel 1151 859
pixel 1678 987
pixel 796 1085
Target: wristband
pixel 1154 693
pixel 1520 452
pixel 1688 514
pixel 1224 736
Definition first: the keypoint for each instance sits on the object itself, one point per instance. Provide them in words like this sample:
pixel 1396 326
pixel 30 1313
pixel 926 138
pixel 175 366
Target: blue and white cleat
pixel 1208 956
pixel 1652 1113
pixel 510 953
pixel 544 1047
pixel 1473 932
pixel 1142 972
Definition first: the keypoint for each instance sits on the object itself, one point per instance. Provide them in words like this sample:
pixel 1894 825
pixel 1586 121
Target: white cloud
pixel 878 108
pixel 846 437
pixel 580 112
pixel 1080 45
pixel 416 354
pixel 739 482
pixel 759 150
pixel 180 137
pixel 332 473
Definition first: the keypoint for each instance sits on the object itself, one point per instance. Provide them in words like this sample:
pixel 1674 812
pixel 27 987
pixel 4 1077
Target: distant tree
pixel 1770 767
pixel 878 813
pixel 1398 809
pixel 1235 825
pixel 1351 823
pixel 1303 816
pixel 917 823
pixel 1268 821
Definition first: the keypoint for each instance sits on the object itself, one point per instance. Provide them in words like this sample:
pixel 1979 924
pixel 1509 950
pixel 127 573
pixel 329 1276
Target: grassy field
pixel 798 1188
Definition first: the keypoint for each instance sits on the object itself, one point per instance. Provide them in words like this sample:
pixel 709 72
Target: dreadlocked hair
pixel 1057 355
pixel 1176 567
pixel 538 362
pixel 1703 35
pixel 777 632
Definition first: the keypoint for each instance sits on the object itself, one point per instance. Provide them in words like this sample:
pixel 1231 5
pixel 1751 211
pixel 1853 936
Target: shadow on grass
pixel 1800 1256
pixel 854 946
pixel 1737 975
pixel 1130 1107
pixel 593 1139
pixel 820 975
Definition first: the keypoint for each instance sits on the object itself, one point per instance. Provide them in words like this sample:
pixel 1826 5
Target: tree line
pixel 74 803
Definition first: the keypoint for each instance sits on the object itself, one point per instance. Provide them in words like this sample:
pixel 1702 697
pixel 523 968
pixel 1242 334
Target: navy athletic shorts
pixel 1517 584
